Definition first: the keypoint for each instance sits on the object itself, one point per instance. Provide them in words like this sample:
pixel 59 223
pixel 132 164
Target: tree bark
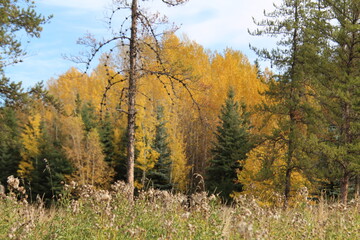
pixel 143 178
pixel 287 187
pixel 357 187
pixel 131 99
pixel 344 188
pixel 292 110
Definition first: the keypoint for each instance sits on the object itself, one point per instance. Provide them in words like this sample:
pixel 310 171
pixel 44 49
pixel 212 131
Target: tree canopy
pixel 16 17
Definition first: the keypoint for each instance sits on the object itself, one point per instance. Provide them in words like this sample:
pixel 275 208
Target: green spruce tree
pixel 106 132
pixel 160 174
pixel 88 116
pixel 230 149
pixel 9 144
pixel 50 170
pixel 120 154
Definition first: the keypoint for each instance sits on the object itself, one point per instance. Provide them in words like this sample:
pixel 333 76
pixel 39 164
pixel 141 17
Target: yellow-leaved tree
pixel 179 167
pixel 100 172
pixel 146 156
pixel 263 174
pixel 204 79
pixel 30 137
pixel 74 84
pixel 84 151
pixel 212 75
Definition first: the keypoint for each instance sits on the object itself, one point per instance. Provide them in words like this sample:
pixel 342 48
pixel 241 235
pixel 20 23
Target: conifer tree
pixel 43 165
pixel 9 144
pixel 11 94
pixel 16 16
pixel 88 116
pixel 51 169
pixel 230 149
pixel 106 133
pixel 339 85
pixel 120 152
pixel 290 99
pixel 160 174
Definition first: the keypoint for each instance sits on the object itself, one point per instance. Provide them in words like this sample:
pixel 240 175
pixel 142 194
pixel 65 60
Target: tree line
pixel 203 120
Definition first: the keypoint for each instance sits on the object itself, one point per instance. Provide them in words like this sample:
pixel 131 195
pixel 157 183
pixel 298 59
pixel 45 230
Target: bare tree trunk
pixel 345 132
pixel 143 178
pixel 289 161
pixel 287 187
pixel 345 188
pixel 357 187
pixel 131 99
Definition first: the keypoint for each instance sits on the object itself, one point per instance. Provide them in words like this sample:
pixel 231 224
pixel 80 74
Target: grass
pixel 99 214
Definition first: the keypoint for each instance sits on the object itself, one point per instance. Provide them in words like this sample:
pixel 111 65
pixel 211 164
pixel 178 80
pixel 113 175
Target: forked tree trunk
pixel 131 99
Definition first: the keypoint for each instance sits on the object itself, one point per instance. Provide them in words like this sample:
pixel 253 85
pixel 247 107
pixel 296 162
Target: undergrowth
pixel 87 213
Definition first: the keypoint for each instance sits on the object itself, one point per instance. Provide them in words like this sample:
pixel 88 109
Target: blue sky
pixel 215 24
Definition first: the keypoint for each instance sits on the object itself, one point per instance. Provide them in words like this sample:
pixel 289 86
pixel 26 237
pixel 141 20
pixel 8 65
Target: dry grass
pixel 87 213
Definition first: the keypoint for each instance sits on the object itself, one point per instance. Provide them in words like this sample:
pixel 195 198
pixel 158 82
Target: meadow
pixel 83 212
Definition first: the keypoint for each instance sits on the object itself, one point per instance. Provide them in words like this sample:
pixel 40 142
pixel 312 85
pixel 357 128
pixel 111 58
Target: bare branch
pixel 173 3
pixel 139 36
pixel 122 111
pixel 104 96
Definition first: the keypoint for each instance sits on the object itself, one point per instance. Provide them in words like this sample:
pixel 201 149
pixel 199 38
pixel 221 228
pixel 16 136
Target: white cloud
pixel 215 24
pixel 212 23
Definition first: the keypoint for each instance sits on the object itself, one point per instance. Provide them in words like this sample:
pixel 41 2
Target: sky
pixel 214 24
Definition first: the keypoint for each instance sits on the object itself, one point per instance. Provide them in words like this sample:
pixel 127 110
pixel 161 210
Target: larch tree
pixel 73 129
pixel 179 164
pixel 85 153
pixel 99 171
pixel 137 36
pixel 146 156
pixel 30 139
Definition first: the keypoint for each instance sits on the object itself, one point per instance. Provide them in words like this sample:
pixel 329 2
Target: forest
pixel 159 111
